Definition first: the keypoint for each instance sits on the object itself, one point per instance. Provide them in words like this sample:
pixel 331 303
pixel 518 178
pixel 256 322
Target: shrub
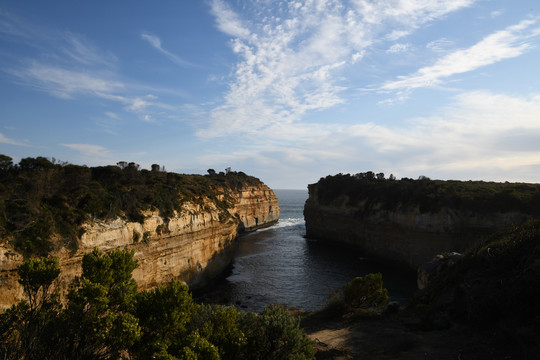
pixel 163 315
pixel 105 318
pixel 146 237
pixel 275 334
pixel 36 277
pixel 366 292
pixel 162 229
pixel 219 325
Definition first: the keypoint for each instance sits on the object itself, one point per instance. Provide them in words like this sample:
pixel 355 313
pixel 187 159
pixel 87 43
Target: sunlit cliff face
pixel 194 245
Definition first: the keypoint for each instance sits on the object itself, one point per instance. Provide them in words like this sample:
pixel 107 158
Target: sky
pixel 287 91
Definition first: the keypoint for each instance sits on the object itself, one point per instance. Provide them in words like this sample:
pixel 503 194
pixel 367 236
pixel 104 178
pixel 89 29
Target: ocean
pixel 279 265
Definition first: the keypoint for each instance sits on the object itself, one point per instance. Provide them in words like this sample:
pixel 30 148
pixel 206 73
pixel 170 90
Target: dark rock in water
pixel 430 270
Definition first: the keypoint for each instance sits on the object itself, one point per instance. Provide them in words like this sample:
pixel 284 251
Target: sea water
pixel 280 265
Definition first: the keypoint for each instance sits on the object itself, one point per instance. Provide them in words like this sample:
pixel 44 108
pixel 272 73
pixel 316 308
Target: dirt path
pixel 397 337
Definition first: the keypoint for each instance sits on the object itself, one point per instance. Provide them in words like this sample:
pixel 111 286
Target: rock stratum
pixel 410 221
pixel 194 244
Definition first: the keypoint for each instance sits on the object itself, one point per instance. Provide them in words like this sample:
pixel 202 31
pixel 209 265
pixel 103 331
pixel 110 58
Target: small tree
pixel 219 325
pixel 36 277
pixel 278 336
pixel 99 312
pixel 28 329
pixel 163 315
pixel 6 162
pixel 366 292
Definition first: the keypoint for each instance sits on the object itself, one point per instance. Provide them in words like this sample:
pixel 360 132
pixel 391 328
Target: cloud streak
pixel 70 66
pixel 156 44
pixel 90 151
pixel 66 83
pixel 504 44
pixel 292 55
pixel 8 141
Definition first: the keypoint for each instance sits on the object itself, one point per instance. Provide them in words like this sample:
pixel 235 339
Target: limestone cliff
pixel 195 244
pixel 394 230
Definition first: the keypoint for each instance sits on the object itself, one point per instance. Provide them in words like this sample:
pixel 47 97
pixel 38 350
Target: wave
pixel 284 223
pixel 289 222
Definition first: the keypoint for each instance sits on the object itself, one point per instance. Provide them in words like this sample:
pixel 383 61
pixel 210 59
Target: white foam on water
pixel 282 223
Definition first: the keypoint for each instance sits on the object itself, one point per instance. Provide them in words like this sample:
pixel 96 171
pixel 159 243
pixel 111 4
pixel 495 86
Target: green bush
pixel 105 318
pixel 366 292
pixel 36 277
pixel 219 325
pixel 163 315
pixel 146 237
pixel 275 334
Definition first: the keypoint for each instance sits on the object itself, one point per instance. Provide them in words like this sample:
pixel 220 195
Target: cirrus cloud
pixel 291 54
pixel 89 150
pixel 504 44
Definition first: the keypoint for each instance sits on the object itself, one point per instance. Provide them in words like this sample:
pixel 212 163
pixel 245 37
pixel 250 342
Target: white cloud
pixel 69 66
pixel 112 115
pixel 80 50
pixel 66 83
pixel 88 150
pixel 398 48
pixel 440 45
pixel 410 13
pixel 6 140
pixel 108 123
pixel 12 25
pixel 504 44
pixel 290 60
pixel 496 13
pixel 228 21
pixel 397 34
pixel 156 43
pixel 479 135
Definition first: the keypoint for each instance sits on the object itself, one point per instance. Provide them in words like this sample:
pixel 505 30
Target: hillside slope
pixel 180 226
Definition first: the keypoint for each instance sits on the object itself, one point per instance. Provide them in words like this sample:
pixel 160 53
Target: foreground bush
pixel 366 292
pixel 363 296
pixel 106 318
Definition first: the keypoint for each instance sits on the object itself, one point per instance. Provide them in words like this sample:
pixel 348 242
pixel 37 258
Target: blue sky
pixel 288 91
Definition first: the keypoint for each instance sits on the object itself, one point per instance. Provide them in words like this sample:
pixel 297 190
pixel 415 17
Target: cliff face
pixel 196 244
pixel 404 234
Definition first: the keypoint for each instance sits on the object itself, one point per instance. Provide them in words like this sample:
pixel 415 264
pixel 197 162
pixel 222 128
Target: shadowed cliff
pixel 409 221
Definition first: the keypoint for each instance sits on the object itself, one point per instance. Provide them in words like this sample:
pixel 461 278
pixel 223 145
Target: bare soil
pixel 398 337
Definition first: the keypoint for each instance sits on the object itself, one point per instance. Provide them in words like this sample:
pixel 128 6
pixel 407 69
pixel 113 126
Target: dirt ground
pixel 397 337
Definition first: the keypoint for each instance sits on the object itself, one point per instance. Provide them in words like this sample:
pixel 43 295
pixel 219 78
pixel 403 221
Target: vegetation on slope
pixel 106 318
pixel 495 287
pixel 39 197
pixel 429 195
